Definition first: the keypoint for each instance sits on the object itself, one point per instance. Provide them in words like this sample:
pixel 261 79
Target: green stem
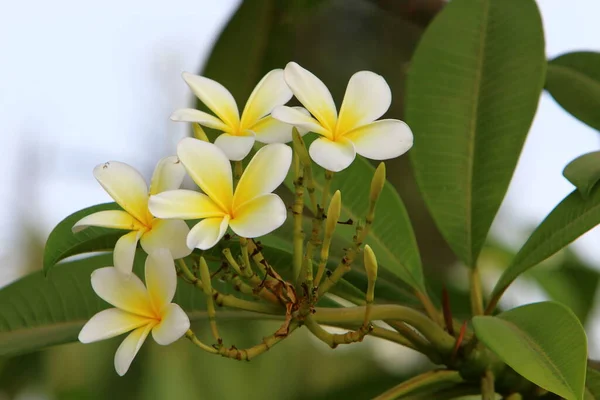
pixel 190 335
pixel 476 292
pixel 297 211
pixel 441 341
pixel 487 386
pixel 334 340
pixel 210 305
pixel 254 351
pixel 238 170
pixel 430 309
pixel 326 189
pixel 431 378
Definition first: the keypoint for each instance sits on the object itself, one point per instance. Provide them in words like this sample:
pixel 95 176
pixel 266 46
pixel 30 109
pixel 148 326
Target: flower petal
pixel 209 168
pixel 265 172
pixel 235 147
pixel 183 204
pixel 382 140
pixel 126 186
pixel 216 97
pixel 174 324
pixel 168 175
pixel 271 91
pixel 206 233
pixel 297 118
pixel 161 278
pixel 334 156
pixel 130 347
pixel 126 293
pixel 368 97
pixel 167 234
pixel 124 252
pixel 204 119
pixel 115 219
pixel 259 216
pixel 312 93
pixel 271 130
pixel 110 323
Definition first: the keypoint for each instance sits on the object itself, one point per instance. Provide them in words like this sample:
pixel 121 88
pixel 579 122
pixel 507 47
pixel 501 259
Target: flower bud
pixel 377 183
pixel 333 213
pixel 300 147
pixel 371 268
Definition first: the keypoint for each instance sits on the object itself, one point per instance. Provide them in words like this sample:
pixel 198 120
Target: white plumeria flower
pixel 251 211
pixel 354 130
pixel 129 189
pixel 137 308
pixel 255 123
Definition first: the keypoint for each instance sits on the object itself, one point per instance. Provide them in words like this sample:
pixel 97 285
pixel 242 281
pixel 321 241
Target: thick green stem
pixel 326 189
pixel 334 340
pixel 210 305
pixel 297 211
pixel 487 386
pixel 430 309
pixel 238 170
pixel 440 340
pixel 254 351
pixel 428 379
pixel 190 335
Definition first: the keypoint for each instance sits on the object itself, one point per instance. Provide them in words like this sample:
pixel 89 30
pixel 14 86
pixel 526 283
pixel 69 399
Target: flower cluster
pixel 238 198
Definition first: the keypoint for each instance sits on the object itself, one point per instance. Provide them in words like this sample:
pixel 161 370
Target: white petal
pixel 259 216
pixel 271 130
pixel 235 147
pixel 110 323
pixel 271 91
pixel 216 97
pixel 125 292
pixel 183 204
pixel 161 278
pixel 333 156
pixel 124 252
pixel 209 168
pixel 204 119
pixel 167 234
pixel 174 324
pixel 168 175
pixel 312 93
pixel 265 172
pixel 382 140
pixel 368 97
pixel 130 347
pixel 206 233
pixel 297 118
pixel 126 186
pixel 115 219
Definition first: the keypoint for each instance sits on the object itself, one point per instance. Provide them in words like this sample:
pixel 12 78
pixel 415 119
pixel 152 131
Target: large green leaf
pixel 473 88
pixel 573 80
pixel 584 172
pixel 63 243
pixel 573 217
pixel 543 342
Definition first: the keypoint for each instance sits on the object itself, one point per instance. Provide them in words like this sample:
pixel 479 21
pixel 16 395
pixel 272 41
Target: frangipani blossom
pixel 137 308
pixel 354 130
pixel 251 211
pixel 129 189
pixel 255 123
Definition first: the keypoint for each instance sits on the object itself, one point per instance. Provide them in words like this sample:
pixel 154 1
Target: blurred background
pixel 81 84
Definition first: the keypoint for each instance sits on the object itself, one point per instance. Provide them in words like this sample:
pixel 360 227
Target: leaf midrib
pixel 574 73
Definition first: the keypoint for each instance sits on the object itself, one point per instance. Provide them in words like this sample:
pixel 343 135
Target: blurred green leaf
pixel 573 79
pixel 62 242
pixel 543 342
pixel 473 88
pixel 570 219
pixel 584 172
pixel 592 384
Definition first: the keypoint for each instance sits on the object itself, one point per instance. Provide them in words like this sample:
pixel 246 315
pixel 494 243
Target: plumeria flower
pixel 354 130
pixel 129 189
pixel 137 308
pixel 251 211
pixel 255 123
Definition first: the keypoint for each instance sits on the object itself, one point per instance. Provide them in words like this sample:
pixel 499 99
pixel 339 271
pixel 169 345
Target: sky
pixel 82 83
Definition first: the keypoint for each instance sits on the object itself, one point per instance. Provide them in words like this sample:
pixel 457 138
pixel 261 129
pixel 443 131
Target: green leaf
pixel 63 243
pixel 573 217
pixel 573 79
pixel 592 384
pixel 472 91
pixel 543 342
pixel 584 172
